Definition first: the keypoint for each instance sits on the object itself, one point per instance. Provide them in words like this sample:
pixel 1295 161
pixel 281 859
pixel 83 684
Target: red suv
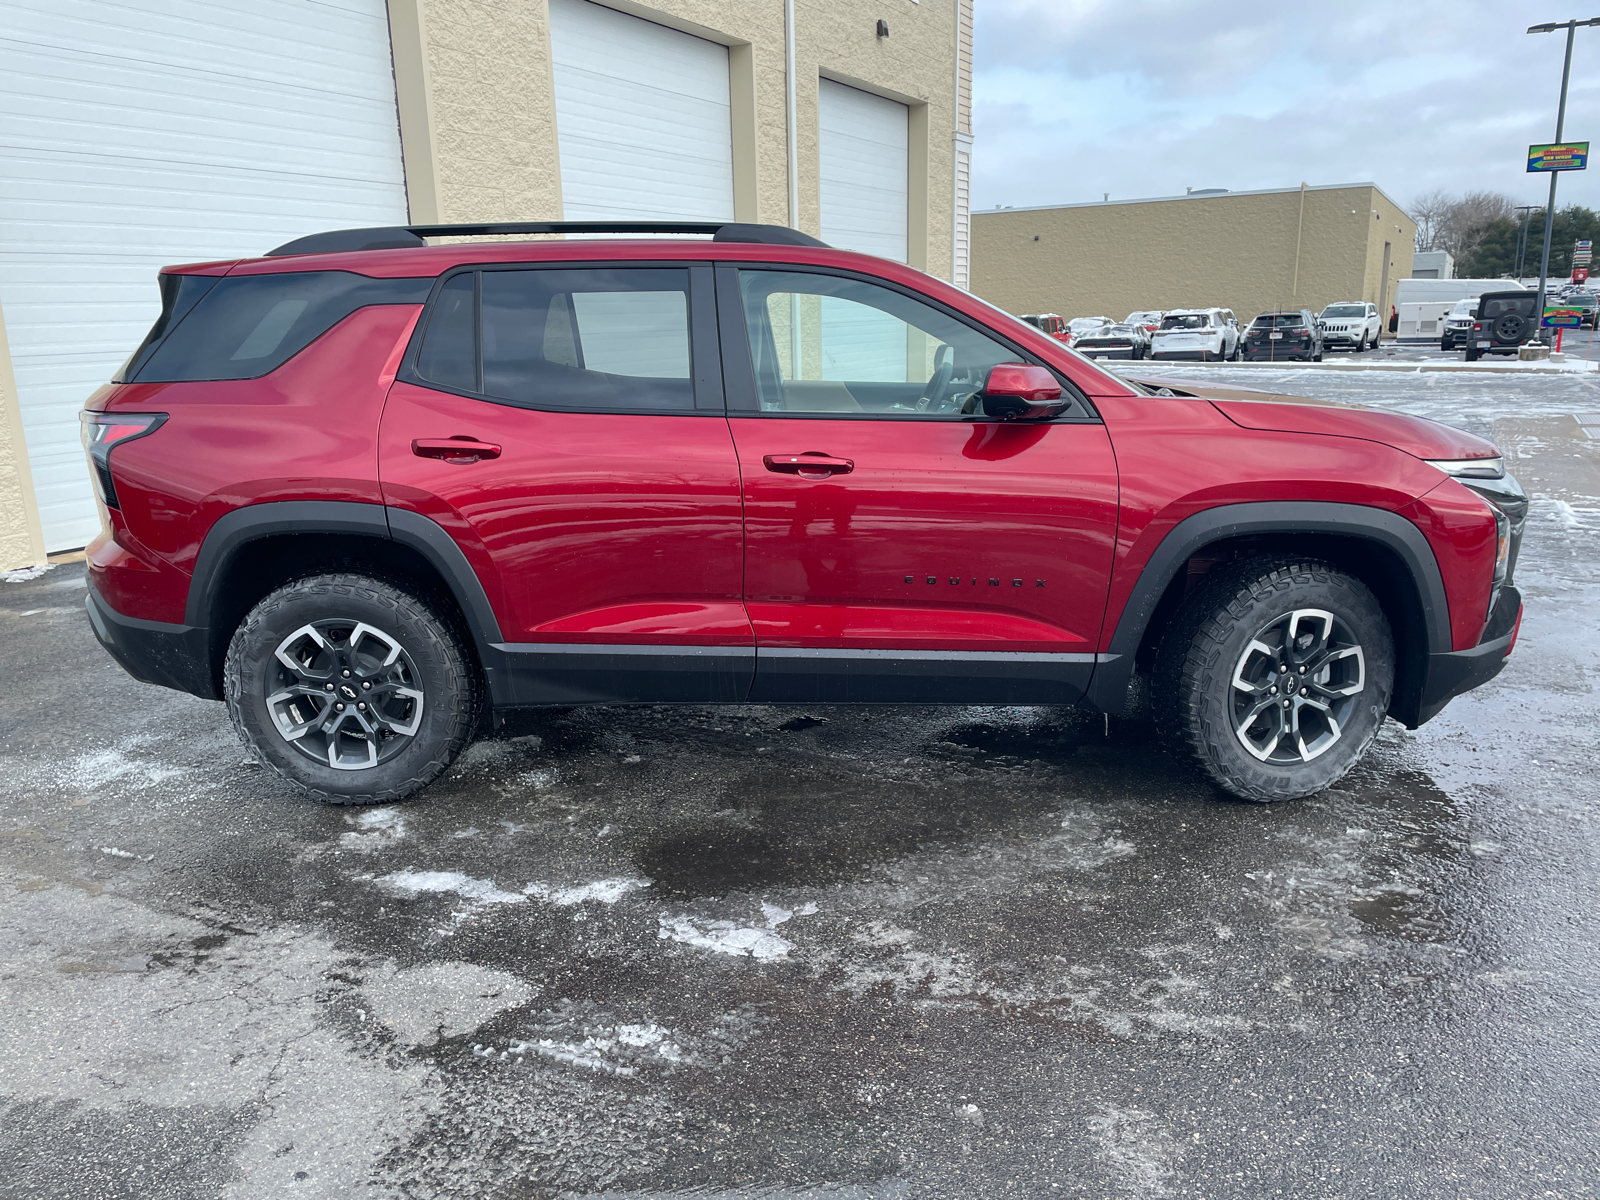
pixel 373 492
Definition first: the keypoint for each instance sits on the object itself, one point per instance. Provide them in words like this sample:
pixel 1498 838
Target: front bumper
pixel 174 656
pixel 1457 671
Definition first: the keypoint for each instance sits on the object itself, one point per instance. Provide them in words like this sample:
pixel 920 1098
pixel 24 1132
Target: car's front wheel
pixel 1275 675
pixel 349 688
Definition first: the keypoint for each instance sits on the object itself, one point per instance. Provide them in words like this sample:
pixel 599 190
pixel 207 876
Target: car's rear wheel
pixel 1275 676
pixel 351 689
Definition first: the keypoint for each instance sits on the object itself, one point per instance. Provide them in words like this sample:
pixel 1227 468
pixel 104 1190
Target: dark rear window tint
pixel 248 325
pixel 179 293
pixel 1488 310
pixel 1278 321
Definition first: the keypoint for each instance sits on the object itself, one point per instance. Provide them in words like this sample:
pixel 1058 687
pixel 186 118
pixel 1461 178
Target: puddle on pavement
pixel 1419 832
pixel 796 827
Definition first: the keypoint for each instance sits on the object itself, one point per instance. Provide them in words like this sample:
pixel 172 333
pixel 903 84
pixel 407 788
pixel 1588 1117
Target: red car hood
pixel 1301 414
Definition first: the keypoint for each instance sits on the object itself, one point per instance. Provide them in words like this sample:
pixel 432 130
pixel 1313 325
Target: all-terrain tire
pixel 1193 688
pixel 432 653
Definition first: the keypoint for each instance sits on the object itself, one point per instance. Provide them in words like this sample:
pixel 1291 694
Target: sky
pixel 1076 98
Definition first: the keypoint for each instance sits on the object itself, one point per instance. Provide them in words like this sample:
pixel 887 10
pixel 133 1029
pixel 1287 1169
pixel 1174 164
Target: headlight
pixel 1502 546
pixel 1470 468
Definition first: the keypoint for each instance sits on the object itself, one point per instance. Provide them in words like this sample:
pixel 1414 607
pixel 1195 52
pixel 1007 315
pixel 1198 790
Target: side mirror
pixel 1019 392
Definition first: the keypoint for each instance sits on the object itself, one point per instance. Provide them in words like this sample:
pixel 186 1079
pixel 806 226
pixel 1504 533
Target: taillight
pixel 101 431
pixel 1476 326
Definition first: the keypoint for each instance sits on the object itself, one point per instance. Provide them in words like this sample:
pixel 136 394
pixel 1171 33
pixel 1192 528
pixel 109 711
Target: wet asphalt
pixel 819 952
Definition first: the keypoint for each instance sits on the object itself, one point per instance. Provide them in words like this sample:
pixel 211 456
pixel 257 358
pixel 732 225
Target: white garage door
pixel 138 135
pixel 864 141
pixel 643 118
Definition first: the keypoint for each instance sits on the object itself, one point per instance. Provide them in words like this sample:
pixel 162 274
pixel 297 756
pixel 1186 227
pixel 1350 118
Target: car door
pixel 900 546
pixel 564 425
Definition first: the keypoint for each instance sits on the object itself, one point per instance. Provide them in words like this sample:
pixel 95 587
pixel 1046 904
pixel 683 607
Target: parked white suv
pixel 1351 324
pixel 1458 324
pixel 1206 334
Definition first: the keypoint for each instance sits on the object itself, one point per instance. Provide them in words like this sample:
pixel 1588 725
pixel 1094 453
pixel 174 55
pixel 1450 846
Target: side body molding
pixel 1108 691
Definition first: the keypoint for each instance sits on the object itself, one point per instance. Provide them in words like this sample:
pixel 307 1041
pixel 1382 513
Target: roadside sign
pixel 1559 156
pixel 1580 274
pixel 1582 254
pixel 1558 317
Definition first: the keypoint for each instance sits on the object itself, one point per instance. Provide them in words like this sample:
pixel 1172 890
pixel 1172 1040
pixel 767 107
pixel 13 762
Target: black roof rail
pixel 410 237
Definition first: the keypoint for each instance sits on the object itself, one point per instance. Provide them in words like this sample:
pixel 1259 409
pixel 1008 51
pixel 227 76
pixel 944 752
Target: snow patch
pixel 24 574
pixel 378 827
pixel 477 891
pixel 606 891
pixel 725 937
pixel 439 1000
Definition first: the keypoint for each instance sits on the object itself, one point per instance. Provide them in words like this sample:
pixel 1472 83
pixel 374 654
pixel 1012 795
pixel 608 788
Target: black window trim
pixel 705 366
pixel 738 370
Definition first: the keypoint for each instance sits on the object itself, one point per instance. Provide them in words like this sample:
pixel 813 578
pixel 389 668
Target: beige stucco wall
pixel 1248 252
pixel 477 102
pixel 21 540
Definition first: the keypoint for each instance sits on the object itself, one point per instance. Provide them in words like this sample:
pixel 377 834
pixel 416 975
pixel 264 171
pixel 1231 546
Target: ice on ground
pixel 478 891
pixel 1136 1146
pixel 725 937
pixel 606 891
pixel 375 828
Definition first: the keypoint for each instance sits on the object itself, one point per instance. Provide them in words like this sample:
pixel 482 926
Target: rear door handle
pixel 457 449
pixel 813 464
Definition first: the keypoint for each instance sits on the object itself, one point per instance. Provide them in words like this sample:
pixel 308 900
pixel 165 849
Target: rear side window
pixel 602 339
pixel 248 325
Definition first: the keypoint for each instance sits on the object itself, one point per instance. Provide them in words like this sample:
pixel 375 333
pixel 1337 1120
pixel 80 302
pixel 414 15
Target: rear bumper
pixel 1187 355
pixel 1452 673
pixel 1091 353
pixel 174 656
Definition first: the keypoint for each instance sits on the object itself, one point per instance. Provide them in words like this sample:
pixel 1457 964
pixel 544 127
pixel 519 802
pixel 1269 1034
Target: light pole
pixel 1527 211
pixel 1561 117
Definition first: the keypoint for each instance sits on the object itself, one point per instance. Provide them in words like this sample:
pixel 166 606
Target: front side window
pixel 613 339
pixel 828 344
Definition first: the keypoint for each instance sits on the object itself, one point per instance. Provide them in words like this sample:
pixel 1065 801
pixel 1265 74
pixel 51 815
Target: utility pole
pixel 1527 211
pixel 1561 117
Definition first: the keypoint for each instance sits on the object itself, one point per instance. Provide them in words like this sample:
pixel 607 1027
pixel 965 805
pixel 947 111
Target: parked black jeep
pixel 1505 321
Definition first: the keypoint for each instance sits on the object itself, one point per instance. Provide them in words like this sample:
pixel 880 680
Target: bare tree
pixel 1429 212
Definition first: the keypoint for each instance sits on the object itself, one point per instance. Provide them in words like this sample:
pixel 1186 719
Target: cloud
pixel 1077 98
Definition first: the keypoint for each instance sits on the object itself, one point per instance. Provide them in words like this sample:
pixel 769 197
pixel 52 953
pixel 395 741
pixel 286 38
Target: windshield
pixel 1109 331
pixel 1345 310
pixel 1186 321
pixel 1277 321
pixel 1143 318
pixel 1582 300
pixel 1465 308
pixel 1085 324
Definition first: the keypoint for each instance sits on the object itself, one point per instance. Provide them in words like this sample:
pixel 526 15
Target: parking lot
pixel 820 952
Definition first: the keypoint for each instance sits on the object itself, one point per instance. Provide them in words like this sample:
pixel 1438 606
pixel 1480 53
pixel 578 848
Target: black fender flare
pixel 1108 690
pixel 235 530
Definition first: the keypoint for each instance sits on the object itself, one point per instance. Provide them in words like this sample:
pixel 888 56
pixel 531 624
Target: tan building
pixel 1286 248
pixel 848 119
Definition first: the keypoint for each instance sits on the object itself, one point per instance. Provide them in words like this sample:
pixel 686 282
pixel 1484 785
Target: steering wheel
pixel 944 366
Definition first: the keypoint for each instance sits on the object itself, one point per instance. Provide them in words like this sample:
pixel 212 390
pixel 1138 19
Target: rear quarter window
pixel 246 326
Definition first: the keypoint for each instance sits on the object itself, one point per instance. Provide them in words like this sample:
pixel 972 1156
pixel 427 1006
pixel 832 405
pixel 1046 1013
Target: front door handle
pixel 459 449
pixel 813 464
